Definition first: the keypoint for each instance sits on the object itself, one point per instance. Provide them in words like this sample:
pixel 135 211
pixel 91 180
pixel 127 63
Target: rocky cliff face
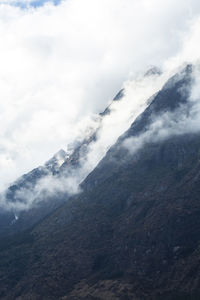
pixel 134 231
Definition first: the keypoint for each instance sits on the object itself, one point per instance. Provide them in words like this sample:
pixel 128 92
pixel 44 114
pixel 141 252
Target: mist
pixel 184 120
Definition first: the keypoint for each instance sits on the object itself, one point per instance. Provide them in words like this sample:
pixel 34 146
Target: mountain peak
pixel 153 71
pixel 57 160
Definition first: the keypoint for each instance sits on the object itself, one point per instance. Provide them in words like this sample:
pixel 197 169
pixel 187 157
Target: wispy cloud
pixel 108 128
pixel 185 119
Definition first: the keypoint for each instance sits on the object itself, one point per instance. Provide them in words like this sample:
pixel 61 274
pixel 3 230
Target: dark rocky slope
pixel 134 232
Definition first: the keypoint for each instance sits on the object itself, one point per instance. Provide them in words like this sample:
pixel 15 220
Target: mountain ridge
pixel 133 233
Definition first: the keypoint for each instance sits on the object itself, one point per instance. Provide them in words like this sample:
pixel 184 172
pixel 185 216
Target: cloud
pixel 108 128
pixel 136 96
pixel 62 64
pixel 184 120
pixel 137 93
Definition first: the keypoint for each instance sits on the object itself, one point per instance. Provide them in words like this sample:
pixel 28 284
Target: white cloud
pixel 184 120
pixel 60 64
pixel 122 113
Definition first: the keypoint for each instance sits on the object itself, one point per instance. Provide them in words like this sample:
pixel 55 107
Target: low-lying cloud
pixel 136 96
pixel 108 128
pixel 185 119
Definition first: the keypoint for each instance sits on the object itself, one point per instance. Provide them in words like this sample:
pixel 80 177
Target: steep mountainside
pixel 134 231
pixel 61 166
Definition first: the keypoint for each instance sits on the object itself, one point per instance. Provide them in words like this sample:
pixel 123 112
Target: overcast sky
pixel 62 61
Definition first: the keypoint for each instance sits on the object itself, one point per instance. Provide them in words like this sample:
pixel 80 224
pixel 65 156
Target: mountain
pixel 134 231
pixel 28 199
